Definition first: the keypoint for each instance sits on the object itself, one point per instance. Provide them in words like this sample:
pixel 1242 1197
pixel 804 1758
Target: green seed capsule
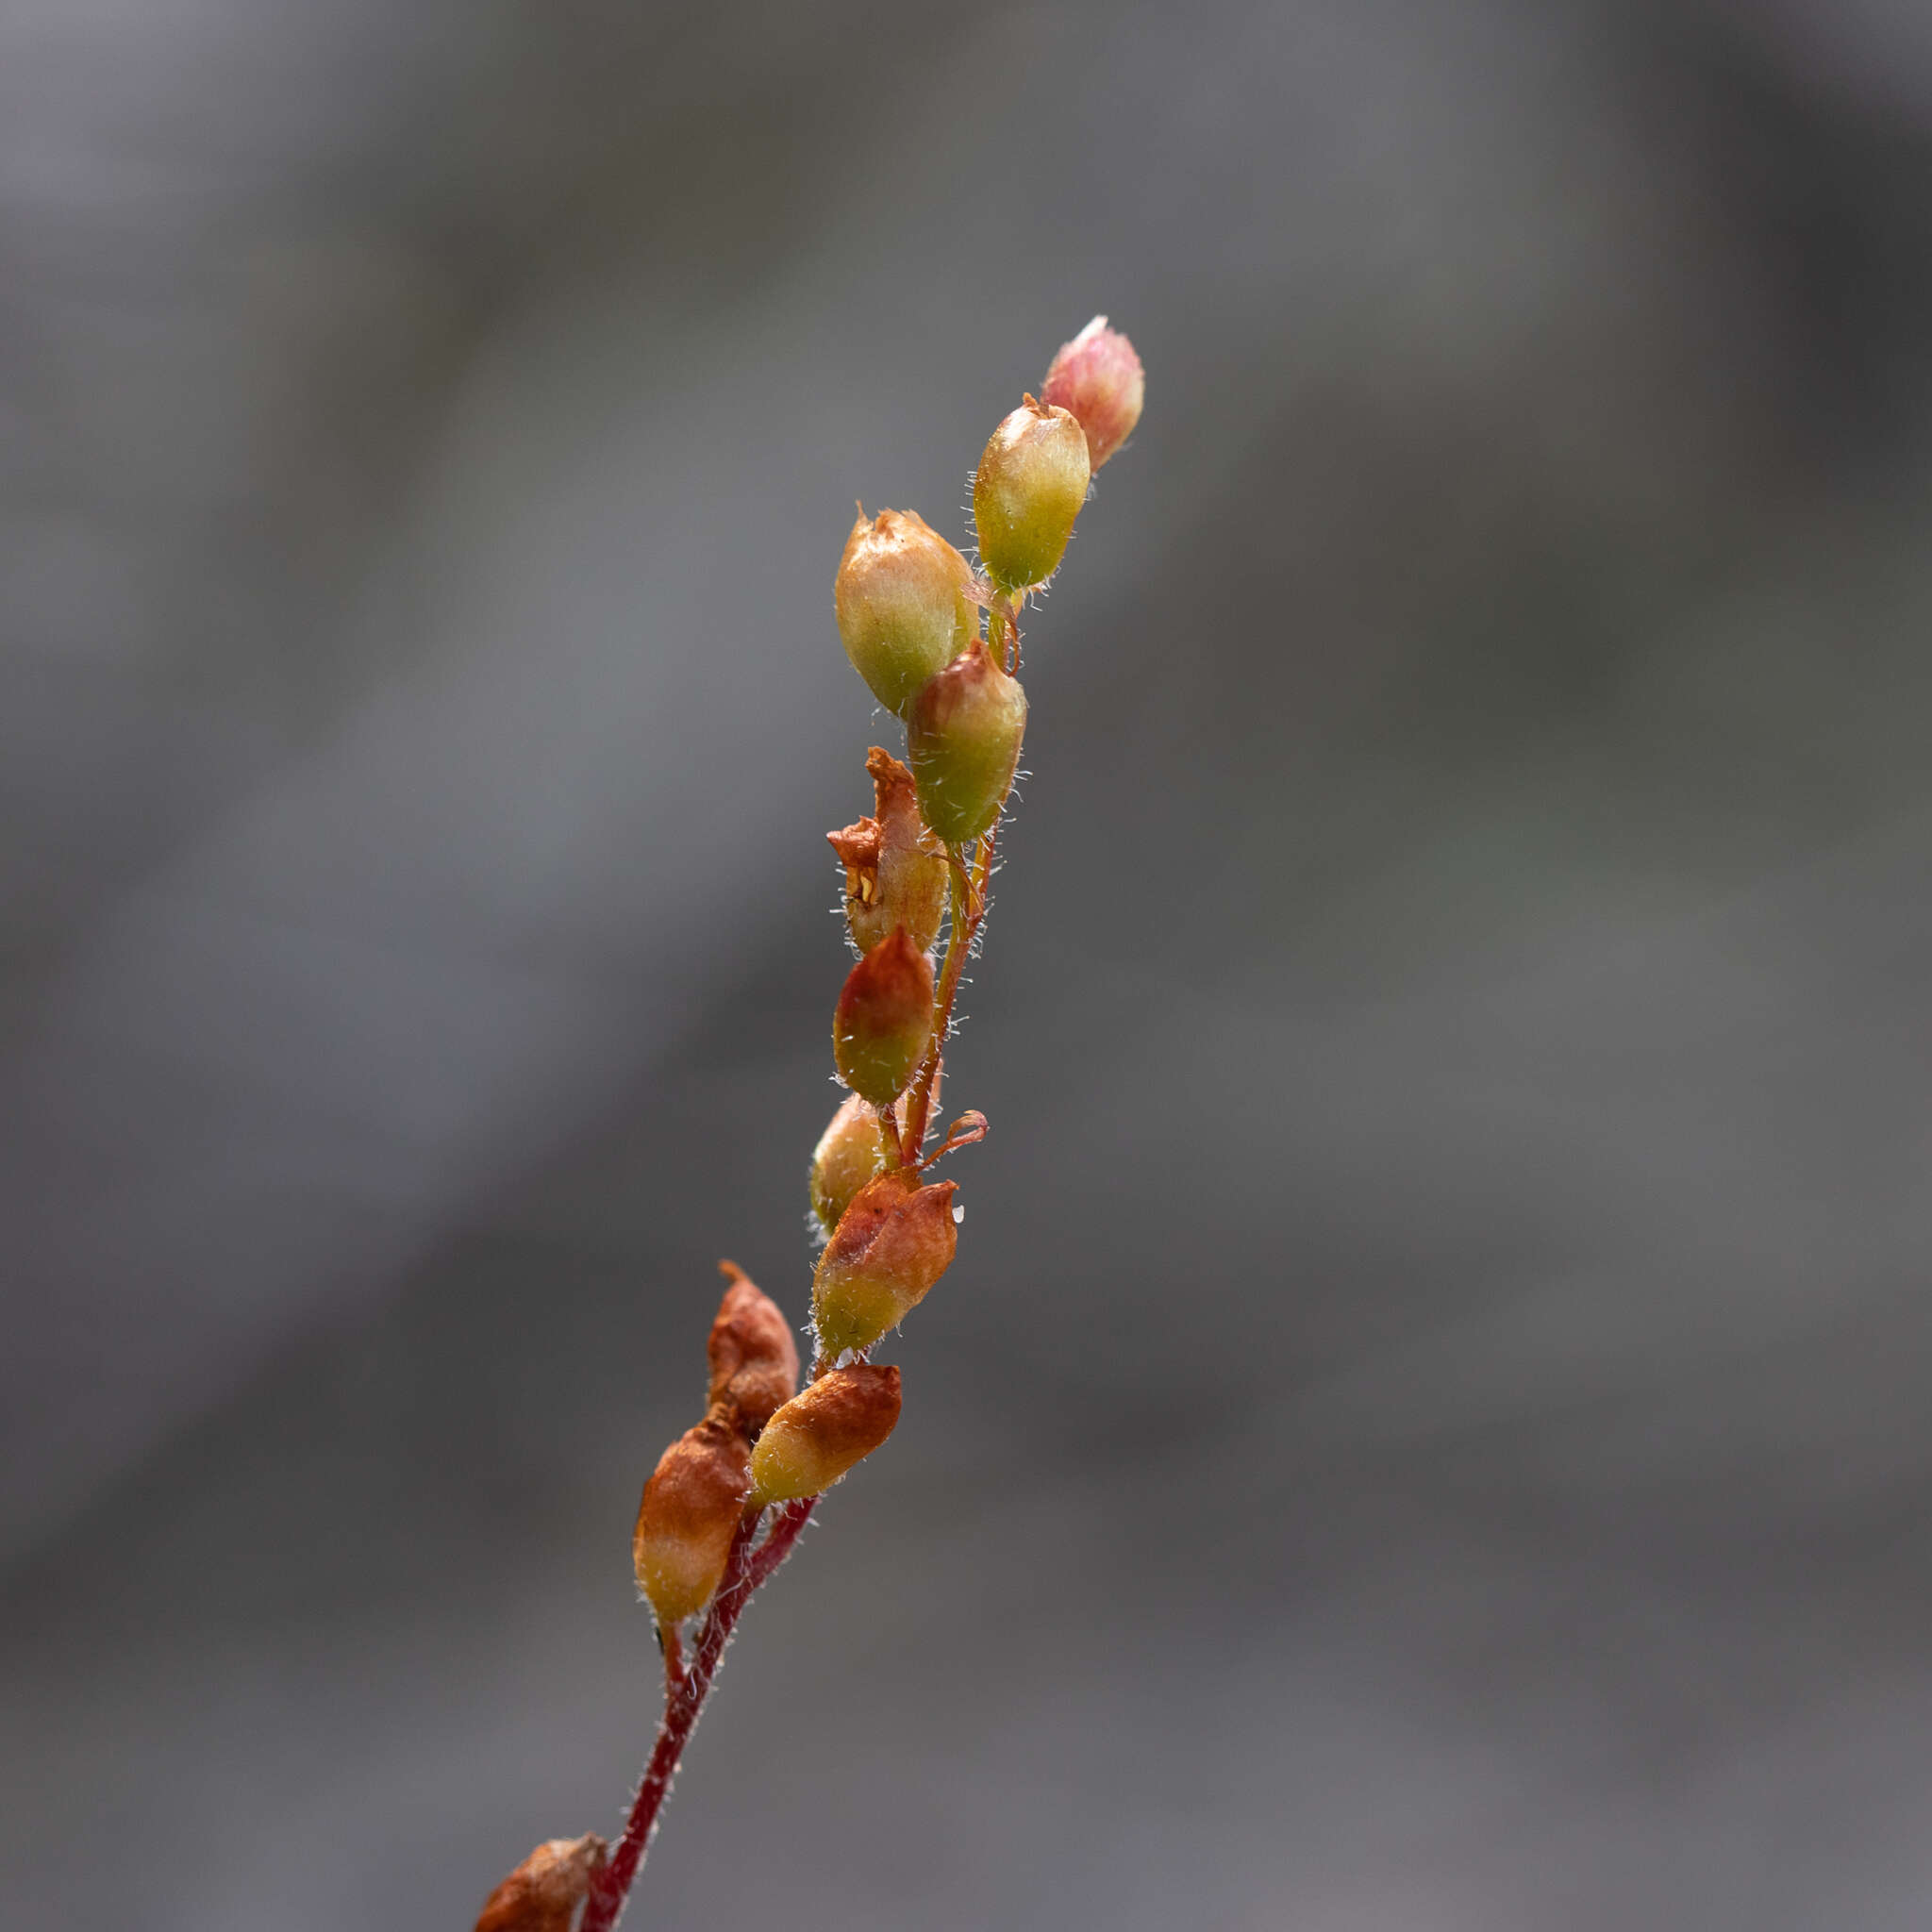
pixel 850 1151
pixel 823 1431
pixel 1026 492
pixel 884 1020
pixel 894 1240
pixel 963 736
pixel 902 597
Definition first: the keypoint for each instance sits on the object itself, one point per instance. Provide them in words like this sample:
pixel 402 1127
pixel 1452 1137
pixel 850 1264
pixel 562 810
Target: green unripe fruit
pixel 963 736
pixel 902 597
pixel 1026 492
pixel 893 1243
pixel 884 1020
pixel 850 1151
pixel 822 1432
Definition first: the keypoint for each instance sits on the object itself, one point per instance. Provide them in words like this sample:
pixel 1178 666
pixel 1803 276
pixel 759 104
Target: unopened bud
pixel 823 1431
pixel 902 597
pixel 884 1020
pixel 850 1151
pixel 963 736
pixel 754 1358
pixel 1026 492
pixel 689 1516
pixel 544 1892
pixel 892 1244
pixel 1098 376
pixel 895 873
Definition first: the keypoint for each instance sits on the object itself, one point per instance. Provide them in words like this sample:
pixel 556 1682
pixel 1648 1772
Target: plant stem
pixel 967 914
pixel 746 1569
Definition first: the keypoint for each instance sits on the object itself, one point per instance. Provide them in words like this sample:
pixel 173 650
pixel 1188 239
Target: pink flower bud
pixel 754 1358
pixel 895 873
pixel 1026 492
pixel 894 1240
pixel 963 736
pixel 1098 377
pixel 823 1431
pixel 884 1020
pixel 544 1892
pixel 689 1516
pixel 902 597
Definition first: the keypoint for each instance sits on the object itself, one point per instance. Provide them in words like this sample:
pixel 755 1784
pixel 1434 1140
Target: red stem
pixel 969 914
pixel 745 1570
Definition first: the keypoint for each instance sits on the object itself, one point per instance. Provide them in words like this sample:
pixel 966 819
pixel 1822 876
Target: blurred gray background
pixel 1430 1428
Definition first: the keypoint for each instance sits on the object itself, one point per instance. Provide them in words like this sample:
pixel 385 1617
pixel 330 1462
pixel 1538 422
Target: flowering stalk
pixel 729 1499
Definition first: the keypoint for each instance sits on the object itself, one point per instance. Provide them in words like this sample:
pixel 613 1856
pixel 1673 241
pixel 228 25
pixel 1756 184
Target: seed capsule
pixel 689 1516
pixel 825 1429
pixel 754 1358
pixel 893 1241
pixel 850 1151
pixel 902 598
pixel 544 1892
pixel 963 736
pixel 1098 376
pixel 883 1024
pixel 1026 492
pixel 895 873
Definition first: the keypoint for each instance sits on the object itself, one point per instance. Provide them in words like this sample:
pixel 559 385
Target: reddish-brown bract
pixel 895 871
pixel 688 1517
pixel 754 1358
pixel 891 1245
pixel 542 1894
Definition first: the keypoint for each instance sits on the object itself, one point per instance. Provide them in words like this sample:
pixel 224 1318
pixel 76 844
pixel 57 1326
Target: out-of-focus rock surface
pixel 1429 1425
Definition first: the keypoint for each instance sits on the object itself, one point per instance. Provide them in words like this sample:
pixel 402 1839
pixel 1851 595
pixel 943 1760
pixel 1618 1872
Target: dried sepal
pixel 544 1892
pixel 754 1357
pixel 896 871
pixel 963 736
pixel 1026 492
pixel 688 1517
pixel 903 600
pixel 825 1431
pixel 891 1246
pixel 883 1024
pixel 1097 378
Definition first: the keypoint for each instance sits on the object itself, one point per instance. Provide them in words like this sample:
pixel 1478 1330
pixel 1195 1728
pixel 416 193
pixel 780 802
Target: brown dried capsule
pixel 823 1431
pixel 1027 492
pixel 896 871
pixel 754 1358
pixel 689 1516
pixel 883 1024
pixel 1097 377
pixel 963 736
pixel 894 1240
pixel 902 598
pixel 544 1892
